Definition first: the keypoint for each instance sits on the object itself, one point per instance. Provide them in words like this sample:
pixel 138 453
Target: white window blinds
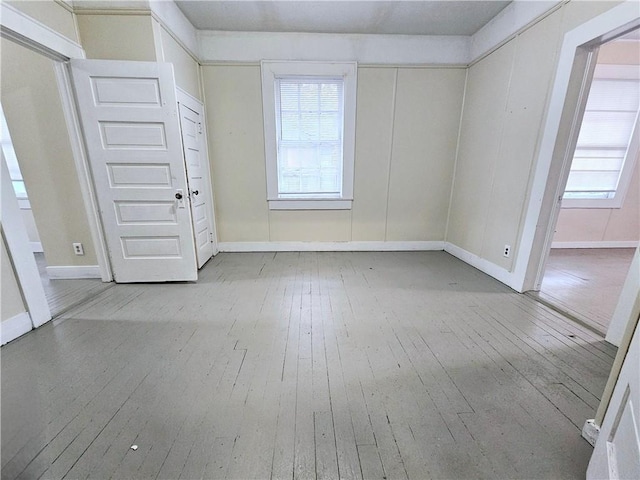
pixel 309 124
pixel 609 120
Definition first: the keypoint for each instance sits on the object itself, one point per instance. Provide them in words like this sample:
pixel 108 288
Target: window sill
pixel 609 203
pixel 310 204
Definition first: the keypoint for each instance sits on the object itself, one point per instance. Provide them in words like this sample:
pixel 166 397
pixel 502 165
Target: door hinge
pixel 200 127
pixel 211 236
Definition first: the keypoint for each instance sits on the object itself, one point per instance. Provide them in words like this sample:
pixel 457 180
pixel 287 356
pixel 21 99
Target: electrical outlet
pixel 78 249
pixel 507 251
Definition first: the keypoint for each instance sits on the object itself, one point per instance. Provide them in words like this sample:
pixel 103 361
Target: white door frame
pixel 24 263
pixel 24 30
pixel 186 98
pixel 541 212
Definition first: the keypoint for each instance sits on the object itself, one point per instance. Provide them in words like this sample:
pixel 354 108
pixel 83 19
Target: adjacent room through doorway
pixel 598 225
pixel 39 216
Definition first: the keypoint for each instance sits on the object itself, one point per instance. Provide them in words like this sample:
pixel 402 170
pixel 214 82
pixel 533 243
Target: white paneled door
pixel 196 161
pixel 129 115
pixel 617 451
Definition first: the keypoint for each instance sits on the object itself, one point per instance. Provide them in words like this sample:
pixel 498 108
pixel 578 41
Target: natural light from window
pixel 309 132
pixel 309 111
pixel 10 157
pixel 606 150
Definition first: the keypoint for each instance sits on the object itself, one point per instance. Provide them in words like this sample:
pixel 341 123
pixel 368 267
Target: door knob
pixel 195 192
pixel 179 196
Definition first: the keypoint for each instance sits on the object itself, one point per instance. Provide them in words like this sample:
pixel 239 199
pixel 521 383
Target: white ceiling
pixel 413 17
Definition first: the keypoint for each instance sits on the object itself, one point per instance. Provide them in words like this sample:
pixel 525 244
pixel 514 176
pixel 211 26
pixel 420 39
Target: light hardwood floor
pixel 305 365
pixel 65 294
pixel 586 283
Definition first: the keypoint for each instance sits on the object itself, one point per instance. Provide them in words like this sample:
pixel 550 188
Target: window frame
pixel 270 71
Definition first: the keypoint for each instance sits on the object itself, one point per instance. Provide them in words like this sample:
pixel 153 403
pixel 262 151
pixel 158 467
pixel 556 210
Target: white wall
pixel 186 68
pixel 505 105
pixel 117 37
pixel 32 106
pixel 407 124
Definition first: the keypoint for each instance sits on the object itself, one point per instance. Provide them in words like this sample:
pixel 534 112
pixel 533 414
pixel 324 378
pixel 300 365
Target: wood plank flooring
pixel 305 366
pixel 65 294
pixel 586 283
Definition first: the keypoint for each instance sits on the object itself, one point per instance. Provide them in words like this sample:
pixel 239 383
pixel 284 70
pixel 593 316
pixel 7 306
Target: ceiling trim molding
pixel 112 11
pixel 215 46
pixel 66 4
pixel 177 25
pixel 517 17
pixel 208 46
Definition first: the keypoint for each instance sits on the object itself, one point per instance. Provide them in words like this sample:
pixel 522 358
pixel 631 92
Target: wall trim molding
pixel 219 46
pixel 600 244
pixel 36 247
pixel 485 266
pixel 28 32
pixel 15 327
pixel 70 272
pixel 356 246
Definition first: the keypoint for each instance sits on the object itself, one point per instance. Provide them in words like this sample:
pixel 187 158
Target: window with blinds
pixel 610 118
pixel 309 111
pixel 309 129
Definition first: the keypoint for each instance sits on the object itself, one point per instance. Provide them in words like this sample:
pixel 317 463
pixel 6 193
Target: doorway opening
pixel 36 166
pixel 598 223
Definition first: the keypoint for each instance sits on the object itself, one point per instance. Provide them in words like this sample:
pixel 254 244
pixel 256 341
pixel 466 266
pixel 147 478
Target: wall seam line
pixel 393 125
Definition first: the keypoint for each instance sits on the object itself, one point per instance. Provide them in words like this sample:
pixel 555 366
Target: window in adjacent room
pixel 609 139
pixel 12 162
pixel 309 117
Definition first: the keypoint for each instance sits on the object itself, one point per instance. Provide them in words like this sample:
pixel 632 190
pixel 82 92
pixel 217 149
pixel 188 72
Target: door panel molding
pixel 135 157
pixel 197 106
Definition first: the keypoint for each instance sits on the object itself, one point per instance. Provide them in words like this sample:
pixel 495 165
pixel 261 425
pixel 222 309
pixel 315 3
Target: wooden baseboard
pixel 73 272
pixel 483 265
pixel 15 327
pixel 329 246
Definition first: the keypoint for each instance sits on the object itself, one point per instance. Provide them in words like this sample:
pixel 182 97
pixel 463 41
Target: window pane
pixel 597 163
pixel 606 129
pixel 309 126
pixel 330 97
pixel 289 96
pixel 310 136
pixel 19 188
pixel 605 133
pixel 290 126
pixel 592 181
pixel 309 97
pixel 619 95
pixel 330 126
